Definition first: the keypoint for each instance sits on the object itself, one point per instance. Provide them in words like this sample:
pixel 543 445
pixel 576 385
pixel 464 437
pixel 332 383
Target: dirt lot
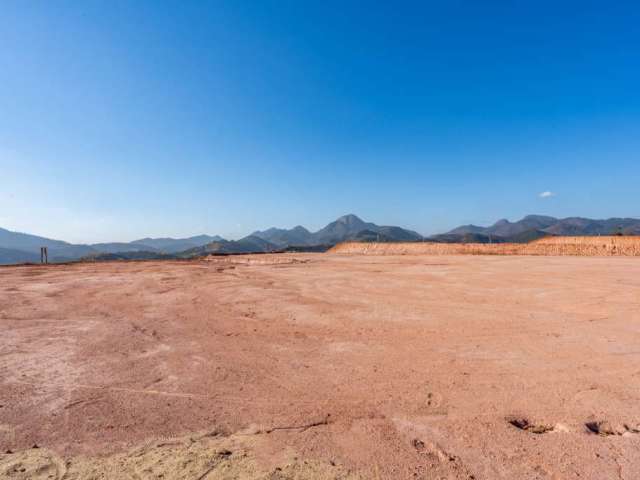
pixel 322 366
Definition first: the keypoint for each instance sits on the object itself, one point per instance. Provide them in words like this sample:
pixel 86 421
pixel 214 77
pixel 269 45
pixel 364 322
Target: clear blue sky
pixel 123 119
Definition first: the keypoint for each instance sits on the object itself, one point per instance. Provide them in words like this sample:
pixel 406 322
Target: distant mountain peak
pixel 350 219
pixel 541 218
pixel 346 227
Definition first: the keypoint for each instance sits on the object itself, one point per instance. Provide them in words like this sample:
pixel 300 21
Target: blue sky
pixel 125 119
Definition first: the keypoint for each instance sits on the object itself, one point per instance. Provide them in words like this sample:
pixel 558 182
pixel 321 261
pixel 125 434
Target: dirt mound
pixel 574 246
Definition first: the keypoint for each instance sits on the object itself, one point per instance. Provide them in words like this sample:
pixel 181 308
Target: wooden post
pixel 46 255
pixel 41 254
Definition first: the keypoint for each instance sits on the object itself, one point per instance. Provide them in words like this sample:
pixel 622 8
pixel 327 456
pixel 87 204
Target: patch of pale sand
pixel 274 259
pixel 208 456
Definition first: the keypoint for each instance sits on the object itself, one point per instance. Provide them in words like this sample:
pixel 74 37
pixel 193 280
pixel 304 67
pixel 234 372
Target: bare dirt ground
pixel 322 366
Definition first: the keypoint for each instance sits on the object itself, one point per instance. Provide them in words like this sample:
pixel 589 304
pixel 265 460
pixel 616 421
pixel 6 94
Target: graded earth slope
pixel 604 246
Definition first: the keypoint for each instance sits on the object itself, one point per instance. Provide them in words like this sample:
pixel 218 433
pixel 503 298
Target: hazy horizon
pixel 127 120
pixel 287 227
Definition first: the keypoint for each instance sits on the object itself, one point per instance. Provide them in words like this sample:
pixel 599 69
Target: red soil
pixel 391 366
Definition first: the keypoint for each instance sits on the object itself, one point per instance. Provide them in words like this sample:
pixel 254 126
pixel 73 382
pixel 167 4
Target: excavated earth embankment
pixel 572 246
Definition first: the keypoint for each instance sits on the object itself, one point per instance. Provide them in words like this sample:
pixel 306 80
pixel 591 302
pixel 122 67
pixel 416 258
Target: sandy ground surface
pixel 322 366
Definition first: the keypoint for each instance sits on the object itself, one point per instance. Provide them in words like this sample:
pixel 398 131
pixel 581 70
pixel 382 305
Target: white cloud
pixel 547 194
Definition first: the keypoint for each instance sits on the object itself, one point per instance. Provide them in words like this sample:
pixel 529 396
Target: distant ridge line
pixel 16 247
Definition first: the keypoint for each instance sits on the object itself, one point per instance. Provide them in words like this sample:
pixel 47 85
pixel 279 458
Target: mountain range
pixel 347 227
pixel 537 226
pixel 18 247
